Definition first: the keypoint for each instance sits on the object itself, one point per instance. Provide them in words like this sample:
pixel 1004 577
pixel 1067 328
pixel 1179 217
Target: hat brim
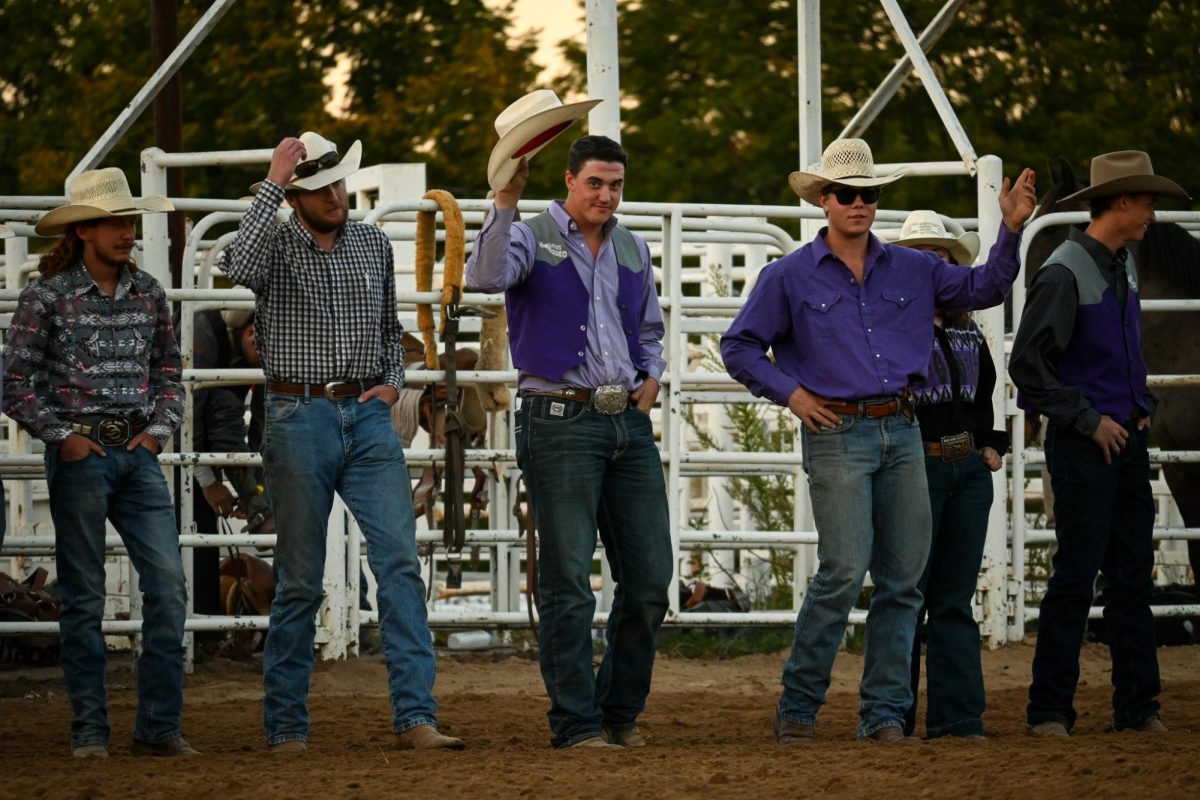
pixel 963 249
pixel 56 221
pixel 809 184
pixel 323 177
pixel 529 136
pixel 1131 184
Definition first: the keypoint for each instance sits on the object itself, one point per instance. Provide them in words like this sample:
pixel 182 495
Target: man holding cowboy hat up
pixel 93 370
pixel 586 333
pixel 329 341
pixel 850 323
pixel 1077 359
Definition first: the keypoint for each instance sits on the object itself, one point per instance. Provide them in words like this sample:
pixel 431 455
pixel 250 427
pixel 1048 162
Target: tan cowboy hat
pixel 1126 172
pixel 98 194
pixel 846 162
pixel 317 147
pixel 925 227
pixel 528 125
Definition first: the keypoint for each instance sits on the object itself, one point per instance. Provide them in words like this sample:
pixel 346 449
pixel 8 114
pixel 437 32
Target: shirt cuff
pixel 1087 422
pixel 161 434
pixel 55 435
pixel 205 476
pixel 394 378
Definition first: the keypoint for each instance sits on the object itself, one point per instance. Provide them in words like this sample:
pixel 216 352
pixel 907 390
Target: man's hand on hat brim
pixel 510 195
pixel 288 153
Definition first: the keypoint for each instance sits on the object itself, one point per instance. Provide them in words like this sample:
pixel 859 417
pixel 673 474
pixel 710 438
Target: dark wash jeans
pixel 585 472
pixel 1105 515
pixel 960 498
pixel 127 488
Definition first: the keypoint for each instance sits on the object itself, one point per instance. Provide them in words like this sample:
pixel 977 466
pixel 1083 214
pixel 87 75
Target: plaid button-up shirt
pixel 73 351
pixel 320 316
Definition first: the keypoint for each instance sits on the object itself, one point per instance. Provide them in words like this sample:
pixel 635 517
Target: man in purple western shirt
pixel 586 334
pixel 850 323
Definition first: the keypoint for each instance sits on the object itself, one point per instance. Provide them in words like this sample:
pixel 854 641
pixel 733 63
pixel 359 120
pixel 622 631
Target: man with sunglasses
pixel 329 341
pixel 850 323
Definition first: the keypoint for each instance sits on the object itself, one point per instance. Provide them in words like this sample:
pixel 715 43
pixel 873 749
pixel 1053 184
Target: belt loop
pixel 307 394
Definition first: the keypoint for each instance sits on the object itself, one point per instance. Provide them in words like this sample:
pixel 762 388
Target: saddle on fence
pixel 30 600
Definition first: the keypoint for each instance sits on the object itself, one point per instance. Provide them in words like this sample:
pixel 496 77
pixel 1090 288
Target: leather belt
pixel 951 448
pixel 609 399
pixel 108 431
pixel 330 391
pixel 874 409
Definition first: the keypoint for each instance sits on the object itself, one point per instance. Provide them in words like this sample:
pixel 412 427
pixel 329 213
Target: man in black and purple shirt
pixel 850 323
pixel 92 369
pixel 1077 358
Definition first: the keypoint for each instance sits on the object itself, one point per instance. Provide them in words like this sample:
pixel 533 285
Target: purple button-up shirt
pixel 503 257
pixel 848 341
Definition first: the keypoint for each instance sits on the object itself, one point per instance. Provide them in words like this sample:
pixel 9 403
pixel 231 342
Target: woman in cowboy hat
pixel 954 407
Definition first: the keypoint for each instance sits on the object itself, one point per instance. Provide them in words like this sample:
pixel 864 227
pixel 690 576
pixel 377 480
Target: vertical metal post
pixel 808 70
pixel 677 364
pixel 16 252
pixel 991 322
pixel 718 282
pixel 168 118
pixel 604 81
pixel 155 238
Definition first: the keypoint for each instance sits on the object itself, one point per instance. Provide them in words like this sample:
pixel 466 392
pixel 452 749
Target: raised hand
pixel 288 153
pixel 1018 199
pixel 511 193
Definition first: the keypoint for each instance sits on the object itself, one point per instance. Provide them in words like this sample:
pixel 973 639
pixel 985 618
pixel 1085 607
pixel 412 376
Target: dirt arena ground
pixel 708 723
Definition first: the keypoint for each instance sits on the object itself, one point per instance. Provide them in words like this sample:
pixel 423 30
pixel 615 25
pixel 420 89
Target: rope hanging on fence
pixel 452 274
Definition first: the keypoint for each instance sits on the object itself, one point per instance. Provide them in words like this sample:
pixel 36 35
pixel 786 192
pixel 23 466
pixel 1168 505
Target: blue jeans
pixel 960 498
pixel 312 448
pixel 871 505
pixel 127 488
pixel 587 471
pixel 1105 515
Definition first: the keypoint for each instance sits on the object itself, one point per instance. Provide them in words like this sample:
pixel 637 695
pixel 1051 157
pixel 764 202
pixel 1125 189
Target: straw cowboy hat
pixel 321 165
pixel 846 162
pixel 924 227
pixel 528 125
pixel 1126 172
pixel 98 194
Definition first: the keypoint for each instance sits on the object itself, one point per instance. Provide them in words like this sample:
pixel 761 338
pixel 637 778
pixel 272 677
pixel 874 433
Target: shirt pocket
pixel 823 316
pixel 904 309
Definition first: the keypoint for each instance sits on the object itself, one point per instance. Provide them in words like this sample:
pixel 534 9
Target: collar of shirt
pixel 821 251
pixel 1106 259
pixel 305 237
pixel 81 281
pixel 558 212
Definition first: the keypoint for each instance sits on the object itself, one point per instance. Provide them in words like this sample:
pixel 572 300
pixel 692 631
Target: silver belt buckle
pixel 611 398
pixel 113 432
pixel 329 391
pixel 956 447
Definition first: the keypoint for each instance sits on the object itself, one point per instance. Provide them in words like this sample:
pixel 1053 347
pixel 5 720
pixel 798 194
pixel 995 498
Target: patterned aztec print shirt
pixel 73 351
pixel 320 317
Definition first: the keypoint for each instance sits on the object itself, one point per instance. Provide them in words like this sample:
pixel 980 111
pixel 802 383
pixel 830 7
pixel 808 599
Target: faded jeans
pixel 127 488
pixel 871 506
pixel 312 448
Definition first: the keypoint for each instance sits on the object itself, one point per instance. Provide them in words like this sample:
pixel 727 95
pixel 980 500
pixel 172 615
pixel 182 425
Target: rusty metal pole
pixel 168 120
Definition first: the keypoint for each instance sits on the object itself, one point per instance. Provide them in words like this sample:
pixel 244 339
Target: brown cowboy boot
pixel 426 737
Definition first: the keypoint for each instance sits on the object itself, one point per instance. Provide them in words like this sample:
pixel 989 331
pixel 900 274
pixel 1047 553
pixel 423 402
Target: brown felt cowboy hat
pixel 98 194
pixel 845 162
pixel 528 125
pixel 321 165
pixel 1126 172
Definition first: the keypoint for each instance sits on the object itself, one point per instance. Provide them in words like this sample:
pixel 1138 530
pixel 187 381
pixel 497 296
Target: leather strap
pixel 873 409
pixel 570 393
pixel 329 391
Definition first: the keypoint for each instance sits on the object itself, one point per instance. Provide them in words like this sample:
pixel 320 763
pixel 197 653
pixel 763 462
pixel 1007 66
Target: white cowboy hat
pixel 317 147
pixel 528 125
pixel 98 194
pixel 1126 172
pixel 923 227
pixel 846 162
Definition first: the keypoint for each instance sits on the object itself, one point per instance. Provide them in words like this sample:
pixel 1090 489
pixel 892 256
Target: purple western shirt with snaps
pixel 848 341
pixel 94 356
pixel 504 257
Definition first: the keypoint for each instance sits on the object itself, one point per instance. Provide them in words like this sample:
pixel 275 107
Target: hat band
pixel 542 138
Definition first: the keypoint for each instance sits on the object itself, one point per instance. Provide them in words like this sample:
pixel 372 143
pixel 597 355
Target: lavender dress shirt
pixel 846 341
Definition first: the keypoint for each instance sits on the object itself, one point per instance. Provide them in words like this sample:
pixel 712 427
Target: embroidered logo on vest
pixel 555 249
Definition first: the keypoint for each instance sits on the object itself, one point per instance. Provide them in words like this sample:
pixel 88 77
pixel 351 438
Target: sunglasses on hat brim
pixel 306 169
pixel 845 194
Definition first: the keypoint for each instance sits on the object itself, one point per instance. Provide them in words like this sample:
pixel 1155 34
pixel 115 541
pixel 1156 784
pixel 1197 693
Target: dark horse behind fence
pixel 1168 265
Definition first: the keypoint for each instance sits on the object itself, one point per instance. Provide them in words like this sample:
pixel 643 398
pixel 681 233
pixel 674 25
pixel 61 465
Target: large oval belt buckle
pixel 112 432
pixel 611 398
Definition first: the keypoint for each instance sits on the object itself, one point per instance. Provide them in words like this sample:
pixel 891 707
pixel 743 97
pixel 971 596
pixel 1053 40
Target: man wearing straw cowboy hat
pixel 1077 359
pixel 93 370
pixel 850 323
pixel 329 341
pixel 586 333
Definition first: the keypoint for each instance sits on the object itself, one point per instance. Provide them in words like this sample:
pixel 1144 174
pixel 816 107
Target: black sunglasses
pixel 845 194
pixel 306 169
